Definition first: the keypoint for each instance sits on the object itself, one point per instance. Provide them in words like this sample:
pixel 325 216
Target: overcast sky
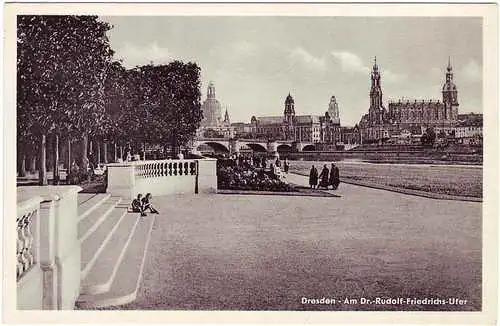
pixel 255 61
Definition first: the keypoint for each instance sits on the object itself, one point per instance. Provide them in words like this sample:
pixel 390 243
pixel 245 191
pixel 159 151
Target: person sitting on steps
pixel 146 204
pixel 137 206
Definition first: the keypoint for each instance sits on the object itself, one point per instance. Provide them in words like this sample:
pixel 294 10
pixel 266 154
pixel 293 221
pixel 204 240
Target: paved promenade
pixel 238 252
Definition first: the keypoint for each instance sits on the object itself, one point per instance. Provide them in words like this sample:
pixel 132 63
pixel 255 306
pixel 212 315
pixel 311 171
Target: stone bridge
pixel 233 146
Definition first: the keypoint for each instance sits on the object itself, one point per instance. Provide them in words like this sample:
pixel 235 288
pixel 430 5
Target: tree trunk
pixel 105 145
pixel 68 162
pixel 121 152
pixel 33 163
pixel 115 157
pixel 144 151
pixel 22 164
pixel 42 172
pixel 56 159
pixel 85 159
pixel 98 148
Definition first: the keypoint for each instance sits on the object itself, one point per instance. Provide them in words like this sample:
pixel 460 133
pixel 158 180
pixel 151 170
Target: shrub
pixel 236 178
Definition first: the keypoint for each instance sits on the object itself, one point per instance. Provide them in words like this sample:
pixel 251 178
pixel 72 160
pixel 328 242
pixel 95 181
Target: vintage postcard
pixel 258 163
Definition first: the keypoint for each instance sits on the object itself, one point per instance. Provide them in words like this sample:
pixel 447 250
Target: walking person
pixel 331 181
pixel 336 176
pixel 286 166
pixel 313 177
pixel 324 177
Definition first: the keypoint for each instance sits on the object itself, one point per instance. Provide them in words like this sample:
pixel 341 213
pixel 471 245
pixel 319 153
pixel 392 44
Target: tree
pixel 167 98
pixel 62 66
pixel 428 137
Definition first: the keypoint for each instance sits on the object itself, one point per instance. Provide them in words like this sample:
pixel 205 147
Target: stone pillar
pixel 234 147
pixel 207 176
pixel 59 251
pixel 121 180
pixel 297 145
pixel 272 149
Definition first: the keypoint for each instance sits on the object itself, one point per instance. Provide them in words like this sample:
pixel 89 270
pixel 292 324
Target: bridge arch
pixel 309 148
pixel 284 148
pixel 216 146
pixel 256 147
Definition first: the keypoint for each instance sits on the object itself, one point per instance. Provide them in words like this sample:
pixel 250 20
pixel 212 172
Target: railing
pixel 28 216
pixel 162 177
pixel 164 168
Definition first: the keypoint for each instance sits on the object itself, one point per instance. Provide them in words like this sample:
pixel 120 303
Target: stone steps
pixel 101 275
pixel 87 203
pixel 92 220
pixel 119 287
pixel 97 241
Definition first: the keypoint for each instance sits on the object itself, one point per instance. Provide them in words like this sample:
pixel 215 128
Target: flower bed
pixel 236 178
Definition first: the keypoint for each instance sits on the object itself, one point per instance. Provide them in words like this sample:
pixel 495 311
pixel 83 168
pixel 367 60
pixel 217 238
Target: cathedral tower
pixel 289 114
pixel 377 109
pixel 289 108
pixel 333 111
pixel 450 93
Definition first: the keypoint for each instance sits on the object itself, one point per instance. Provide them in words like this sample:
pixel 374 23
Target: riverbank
pixel 452 180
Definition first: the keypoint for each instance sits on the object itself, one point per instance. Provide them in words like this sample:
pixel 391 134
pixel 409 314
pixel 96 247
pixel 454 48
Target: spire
pixel 226 116
pixel 449 64
pixel 375 67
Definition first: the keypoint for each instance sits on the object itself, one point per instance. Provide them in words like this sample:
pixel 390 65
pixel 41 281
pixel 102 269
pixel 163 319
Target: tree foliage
pixel 429 137
pixel 164 103
pixel 62 65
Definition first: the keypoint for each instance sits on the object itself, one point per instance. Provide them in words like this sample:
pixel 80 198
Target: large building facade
pixel 407 116
pixel 289 126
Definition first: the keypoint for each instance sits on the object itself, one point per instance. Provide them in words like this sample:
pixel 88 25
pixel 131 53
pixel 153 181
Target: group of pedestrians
pixel 142 204
pixel 326 177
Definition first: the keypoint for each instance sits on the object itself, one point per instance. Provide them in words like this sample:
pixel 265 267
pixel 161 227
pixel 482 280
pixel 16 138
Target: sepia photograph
pixel 195 159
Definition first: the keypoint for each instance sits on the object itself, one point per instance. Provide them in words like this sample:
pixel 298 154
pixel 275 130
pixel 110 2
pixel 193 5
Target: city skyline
pixel 255 62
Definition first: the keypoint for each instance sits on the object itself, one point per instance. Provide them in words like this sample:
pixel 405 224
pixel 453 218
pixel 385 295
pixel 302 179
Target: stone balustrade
pixel 48 249
pixel 28 271
pixel 28 238
pixel 162 177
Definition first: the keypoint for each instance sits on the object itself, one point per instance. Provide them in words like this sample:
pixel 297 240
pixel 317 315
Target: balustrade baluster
pixel 192 167
pixel 25 256
pixel 186 168
pixel 170 169
pixel 175 168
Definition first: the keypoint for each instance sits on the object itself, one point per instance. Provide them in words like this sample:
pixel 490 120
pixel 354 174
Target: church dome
pixel 212 109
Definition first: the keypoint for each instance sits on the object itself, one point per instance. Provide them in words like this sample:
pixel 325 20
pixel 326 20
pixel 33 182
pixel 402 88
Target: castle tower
pixel 333 110
pixel 376 111
pixel 450 95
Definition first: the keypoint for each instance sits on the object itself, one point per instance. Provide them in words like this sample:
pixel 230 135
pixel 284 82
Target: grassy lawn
pixel 450 180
